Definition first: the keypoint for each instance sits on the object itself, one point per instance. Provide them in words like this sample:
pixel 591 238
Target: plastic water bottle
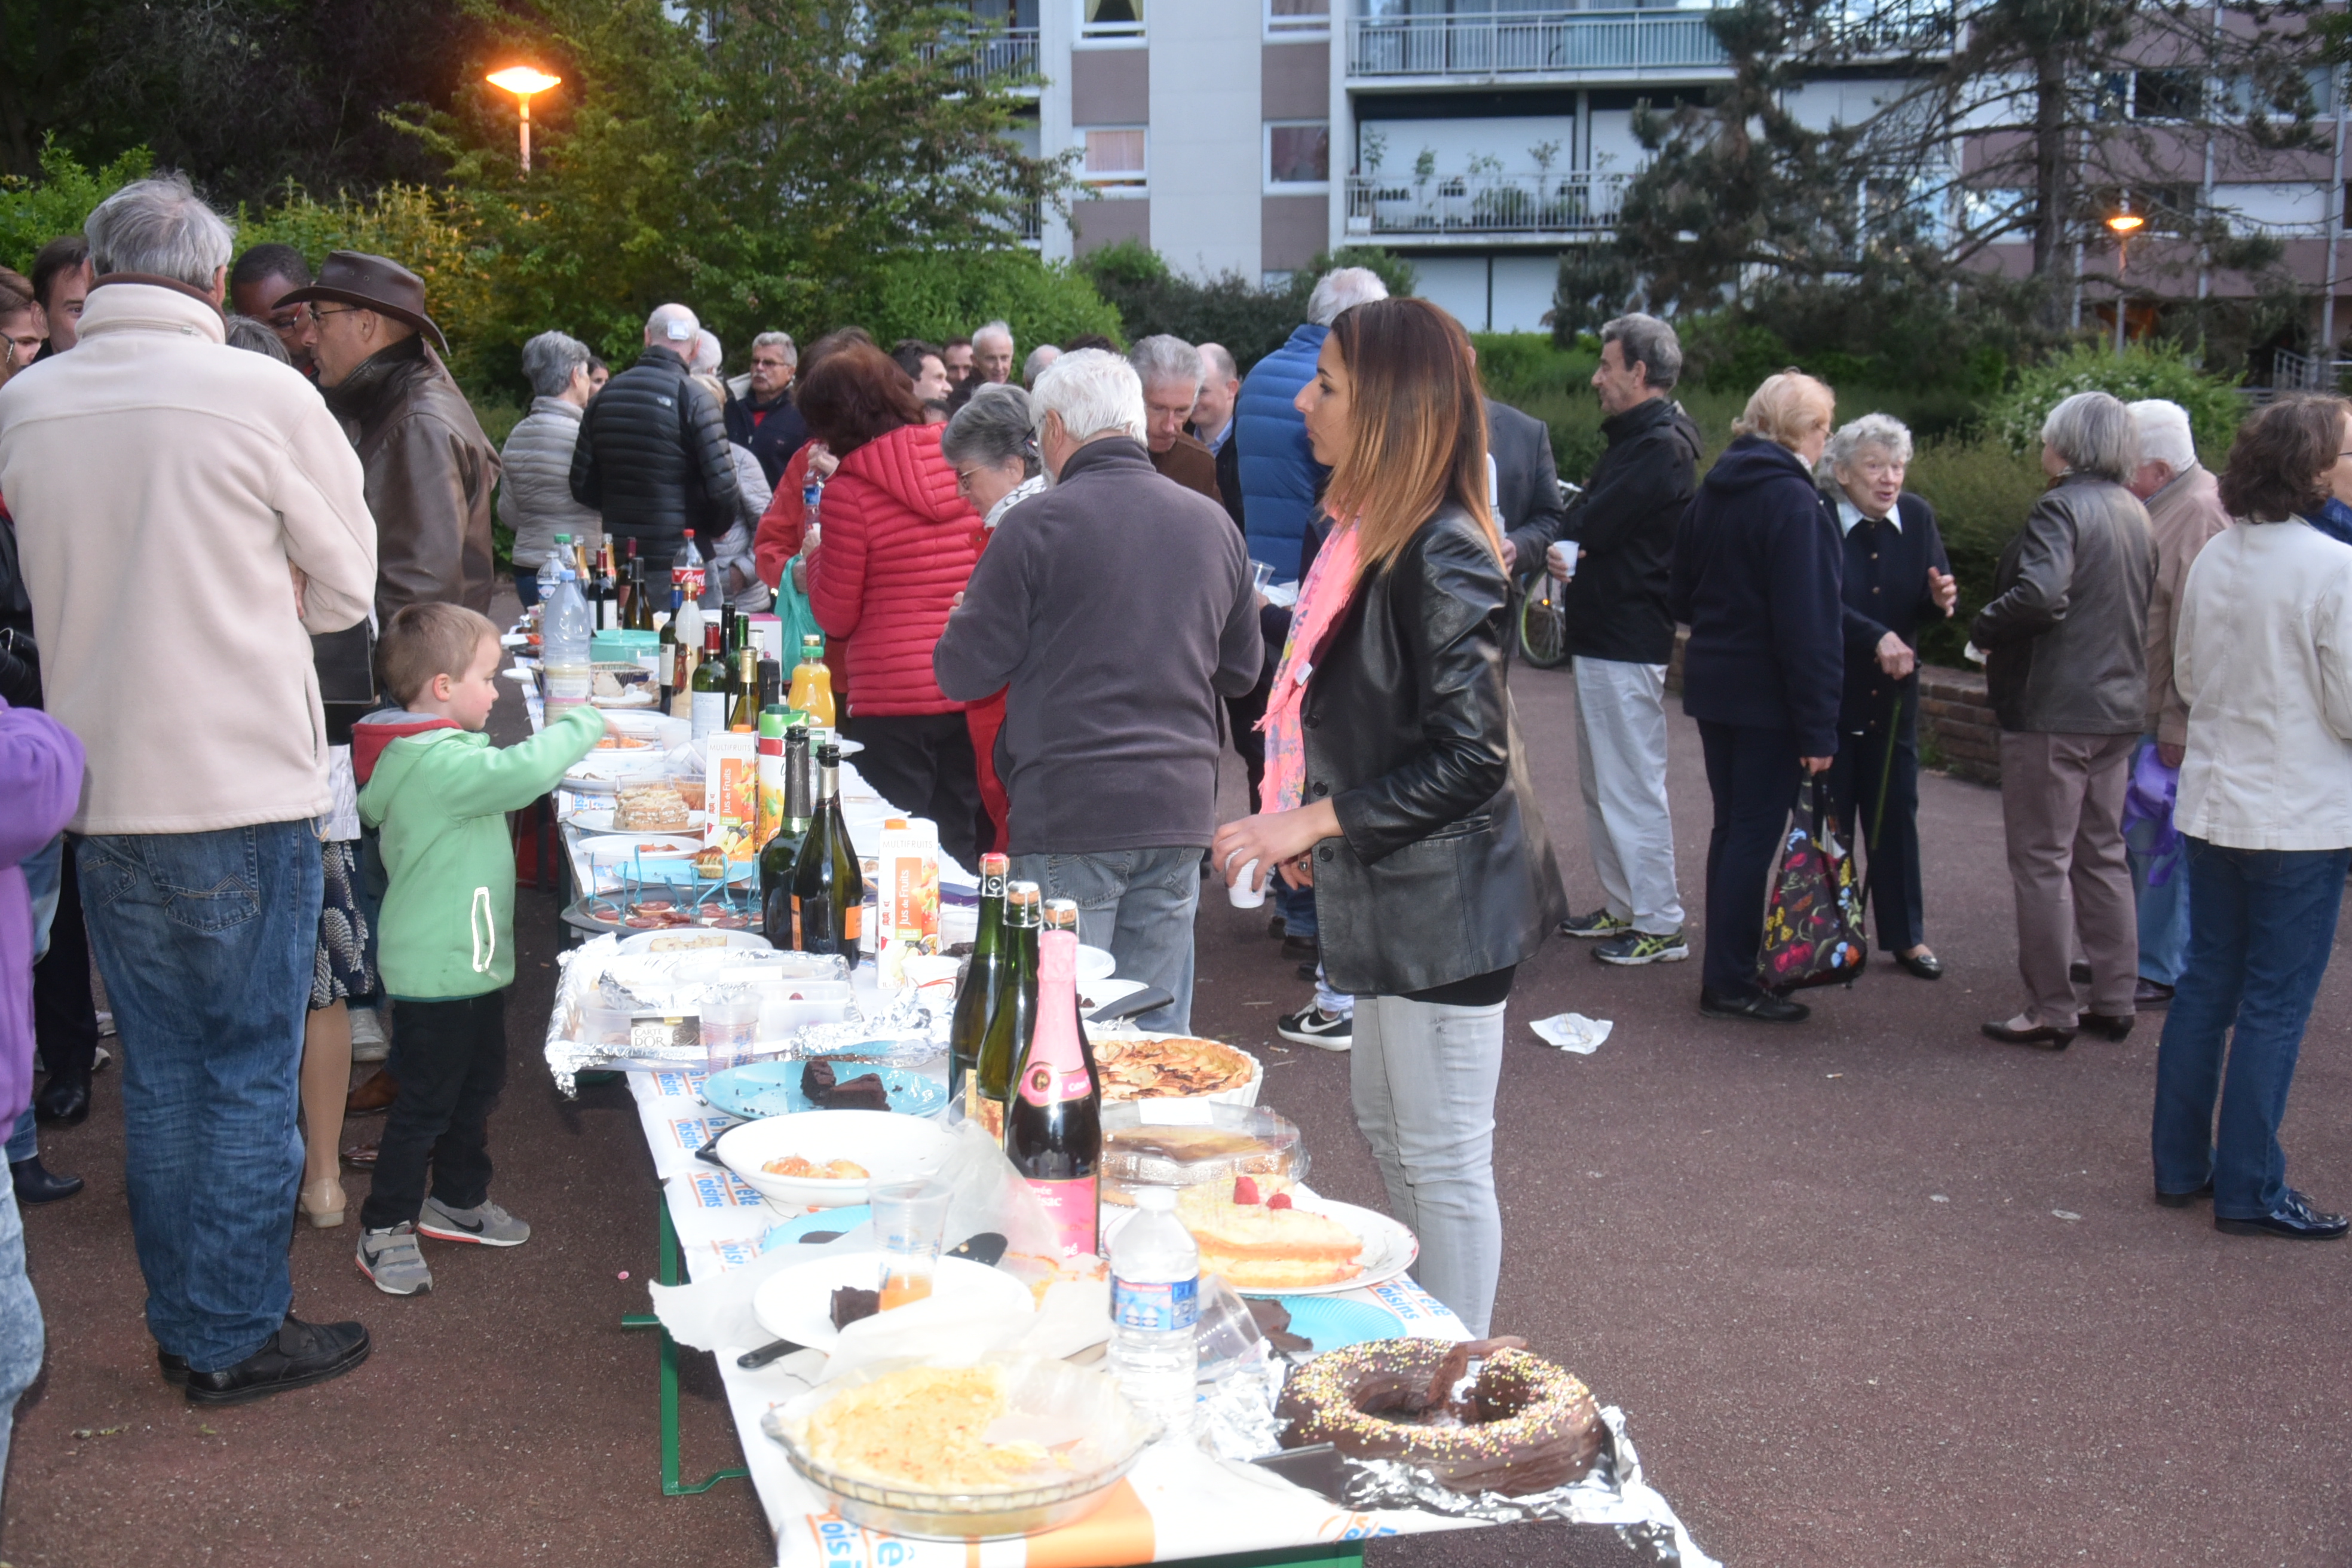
pixel 1155 1301
pixel 564 630
pixel 550 570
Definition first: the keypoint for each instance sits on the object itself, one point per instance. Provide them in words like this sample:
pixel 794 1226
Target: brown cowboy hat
pixel 374 283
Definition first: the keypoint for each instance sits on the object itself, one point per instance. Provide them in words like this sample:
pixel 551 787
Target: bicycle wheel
pixel 1543 625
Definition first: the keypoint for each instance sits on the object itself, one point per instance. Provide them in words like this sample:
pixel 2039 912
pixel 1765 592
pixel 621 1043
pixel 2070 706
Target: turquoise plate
pixel 773 1088
pixel 841 1220
pixel 1333 1324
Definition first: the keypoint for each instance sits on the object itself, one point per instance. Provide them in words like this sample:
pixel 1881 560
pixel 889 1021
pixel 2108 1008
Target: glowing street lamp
pixel 2123 225
pixel 524 81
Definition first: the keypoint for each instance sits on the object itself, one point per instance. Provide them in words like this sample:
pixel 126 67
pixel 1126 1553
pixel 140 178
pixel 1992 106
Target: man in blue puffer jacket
pixel 1281 480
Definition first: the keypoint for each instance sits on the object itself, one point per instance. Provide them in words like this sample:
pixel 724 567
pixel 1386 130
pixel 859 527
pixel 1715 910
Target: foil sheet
pixel 1236 1412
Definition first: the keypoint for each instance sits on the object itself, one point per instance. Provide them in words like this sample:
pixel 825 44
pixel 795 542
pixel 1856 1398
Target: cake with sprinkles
pixel 1486 1415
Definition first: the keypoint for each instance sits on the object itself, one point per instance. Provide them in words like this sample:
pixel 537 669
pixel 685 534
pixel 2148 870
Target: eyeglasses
pixel 318 317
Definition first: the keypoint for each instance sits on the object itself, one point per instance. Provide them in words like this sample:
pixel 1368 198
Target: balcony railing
pixel 1483 205
pixel 1531 43
pixel 1010 51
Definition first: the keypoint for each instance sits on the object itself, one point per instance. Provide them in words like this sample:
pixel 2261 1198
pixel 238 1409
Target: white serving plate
pixel 892 1148
pixel 1389 1247
pixel 598 819
pixel 797 1303
pixel 626 847
pixel 1094 963
pixel 643 942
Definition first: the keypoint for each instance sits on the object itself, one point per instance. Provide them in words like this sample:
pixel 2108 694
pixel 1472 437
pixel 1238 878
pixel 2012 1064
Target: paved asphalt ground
pixel 1871 1290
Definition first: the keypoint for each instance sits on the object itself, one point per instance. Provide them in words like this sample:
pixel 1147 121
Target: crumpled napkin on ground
pixel 1572 1032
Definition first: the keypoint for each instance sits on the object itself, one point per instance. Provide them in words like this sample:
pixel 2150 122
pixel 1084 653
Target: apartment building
pixel 1480 137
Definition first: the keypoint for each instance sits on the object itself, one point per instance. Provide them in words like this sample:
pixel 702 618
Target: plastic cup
pixel 1239 892
pixel 1261 574
pixel 910 1219
pixel 1563 556
pixel 1226 1336
pixel 729 1031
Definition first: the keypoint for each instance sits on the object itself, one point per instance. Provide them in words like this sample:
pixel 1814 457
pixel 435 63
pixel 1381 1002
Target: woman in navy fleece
pixel 1757 568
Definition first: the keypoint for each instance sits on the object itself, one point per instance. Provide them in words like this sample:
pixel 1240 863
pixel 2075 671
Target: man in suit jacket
pixel 1212 423
pixel 1525 487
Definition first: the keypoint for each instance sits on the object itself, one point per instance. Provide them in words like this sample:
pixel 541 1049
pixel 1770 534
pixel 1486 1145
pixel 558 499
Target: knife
pixel 1130 1007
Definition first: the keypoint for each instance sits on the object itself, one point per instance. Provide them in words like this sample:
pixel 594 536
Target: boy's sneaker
pixel 1599 922
pixel 390 1259
pixel 485 1224
pixel 369 1043
pixel 1643 947
pixel 1310 1026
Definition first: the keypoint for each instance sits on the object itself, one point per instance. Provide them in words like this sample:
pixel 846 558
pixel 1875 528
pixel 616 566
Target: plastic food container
pixel 1078 1411
pixel 1190 1142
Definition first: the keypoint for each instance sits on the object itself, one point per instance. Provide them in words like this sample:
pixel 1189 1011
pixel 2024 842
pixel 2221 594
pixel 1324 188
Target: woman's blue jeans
pixel 2265 926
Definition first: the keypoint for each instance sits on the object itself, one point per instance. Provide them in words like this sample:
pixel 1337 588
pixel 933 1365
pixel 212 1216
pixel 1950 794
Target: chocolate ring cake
pixel 1523 1425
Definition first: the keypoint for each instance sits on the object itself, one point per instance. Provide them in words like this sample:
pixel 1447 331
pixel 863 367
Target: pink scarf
pixel 1322 599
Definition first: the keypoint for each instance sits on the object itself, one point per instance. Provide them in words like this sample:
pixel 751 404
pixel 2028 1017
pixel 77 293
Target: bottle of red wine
pixel 1053 1123
pixel 1062 914
pixel 969 1031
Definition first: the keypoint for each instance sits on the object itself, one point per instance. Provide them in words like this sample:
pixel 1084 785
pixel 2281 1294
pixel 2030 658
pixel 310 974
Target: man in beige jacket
pixel 2184 510
pixel 186 516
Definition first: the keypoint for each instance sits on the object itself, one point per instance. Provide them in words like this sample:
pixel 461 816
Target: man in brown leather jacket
pixel 430 469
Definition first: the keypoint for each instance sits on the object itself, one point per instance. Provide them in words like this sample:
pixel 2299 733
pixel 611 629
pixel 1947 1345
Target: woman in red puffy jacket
pixel 898 546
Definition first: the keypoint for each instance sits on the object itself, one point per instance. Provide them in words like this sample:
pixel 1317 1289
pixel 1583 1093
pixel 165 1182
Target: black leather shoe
pixel 1925 966
pixel 62 1102
pixel 2295 1218
pixel 1301 949
pixel 2050 1034
pixel 174 1368
pixel 297 1356
pixel 37 1183
pixel 1761 1008
pixel 1306 972
pixel 2151 993
pixel 2114 1026
pixel 2183 1200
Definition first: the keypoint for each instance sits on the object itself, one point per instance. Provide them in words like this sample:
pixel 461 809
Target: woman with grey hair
pixel 535 473
pixel 1896 575
pixel 2066 671
pixel 989 445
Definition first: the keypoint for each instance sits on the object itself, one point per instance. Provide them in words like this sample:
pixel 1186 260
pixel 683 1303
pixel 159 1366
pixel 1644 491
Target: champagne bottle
pixel 968 1030
pixel 780 859
pixel 710 708
pixel 1053 1122
pixel 743 718
pixel 1014 1009
pixel 671 657
pixel 1062 914
pixel 640 617
pixel 828 884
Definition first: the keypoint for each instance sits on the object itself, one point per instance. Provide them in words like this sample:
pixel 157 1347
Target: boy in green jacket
pixel 440 791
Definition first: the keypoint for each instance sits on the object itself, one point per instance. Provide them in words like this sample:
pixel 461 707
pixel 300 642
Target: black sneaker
pixel 1310 1026
pixel 297 1356
pixel 1761 1008
pixel 1599 922
pixel 1643 947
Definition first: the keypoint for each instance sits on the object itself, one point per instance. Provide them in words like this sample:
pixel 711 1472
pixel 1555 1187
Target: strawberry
pixel 1279 1201
pixel 1244 1190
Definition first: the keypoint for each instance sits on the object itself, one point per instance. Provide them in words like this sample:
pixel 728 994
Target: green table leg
pixel 667 1270
pixel 1330 1555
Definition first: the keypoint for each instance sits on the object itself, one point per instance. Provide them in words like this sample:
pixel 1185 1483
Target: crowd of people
pixel 1052 603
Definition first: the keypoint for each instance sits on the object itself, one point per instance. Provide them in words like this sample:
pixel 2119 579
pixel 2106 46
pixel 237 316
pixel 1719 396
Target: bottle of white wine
pixel 828 883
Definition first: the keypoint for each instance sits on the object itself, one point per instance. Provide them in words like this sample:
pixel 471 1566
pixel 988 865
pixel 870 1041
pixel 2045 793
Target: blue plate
pixel 1334 1324
pixel 773 1088
pixel 841 1220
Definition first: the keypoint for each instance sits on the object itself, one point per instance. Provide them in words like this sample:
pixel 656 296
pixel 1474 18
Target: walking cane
pixel 1878 808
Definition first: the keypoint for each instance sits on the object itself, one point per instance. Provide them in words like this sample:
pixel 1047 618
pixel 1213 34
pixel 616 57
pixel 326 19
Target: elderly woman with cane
pixel 1896 575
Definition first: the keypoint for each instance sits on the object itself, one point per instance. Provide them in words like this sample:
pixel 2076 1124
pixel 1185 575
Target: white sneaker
pixel 1310 1026
pixel 368 1041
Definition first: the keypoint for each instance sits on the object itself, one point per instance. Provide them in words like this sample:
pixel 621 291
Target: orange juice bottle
pixel 811 690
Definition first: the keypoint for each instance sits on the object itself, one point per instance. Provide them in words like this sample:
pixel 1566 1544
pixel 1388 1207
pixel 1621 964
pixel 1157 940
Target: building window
pixel 1114 159
pixel 1298 152
pixel 1110 18
pixel 1288 17
pixel 2168 94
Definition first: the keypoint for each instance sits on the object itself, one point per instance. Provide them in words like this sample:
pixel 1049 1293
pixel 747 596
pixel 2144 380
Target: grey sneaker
pixel 485 1224
pixel 390 1259
pixel 1599 922
pixel 1643 947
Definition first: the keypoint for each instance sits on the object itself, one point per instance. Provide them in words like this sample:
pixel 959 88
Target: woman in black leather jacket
pixel 1396 784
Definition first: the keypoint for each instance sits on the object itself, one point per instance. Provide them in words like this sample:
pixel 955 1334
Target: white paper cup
pixel 1562 556
pixel 1239 892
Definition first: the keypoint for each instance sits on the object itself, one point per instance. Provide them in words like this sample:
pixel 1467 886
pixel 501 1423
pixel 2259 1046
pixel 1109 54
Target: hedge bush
pixel 1249 320
pixel 2142 370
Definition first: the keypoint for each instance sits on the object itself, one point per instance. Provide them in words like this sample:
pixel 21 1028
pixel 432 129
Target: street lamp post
pixel 524 81
pixel 2123 225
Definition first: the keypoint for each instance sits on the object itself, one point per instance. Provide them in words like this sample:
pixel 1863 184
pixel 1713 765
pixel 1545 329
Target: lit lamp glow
pixel 524 81
pixel 2123 225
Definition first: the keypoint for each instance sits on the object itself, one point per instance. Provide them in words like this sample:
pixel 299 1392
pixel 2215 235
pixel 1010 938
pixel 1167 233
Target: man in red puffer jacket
pixel 898 547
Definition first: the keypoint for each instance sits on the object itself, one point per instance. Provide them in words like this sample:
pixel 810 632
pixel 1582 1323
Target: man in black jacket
pixel 1616 553
pixel 759 412
pixel 653 454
